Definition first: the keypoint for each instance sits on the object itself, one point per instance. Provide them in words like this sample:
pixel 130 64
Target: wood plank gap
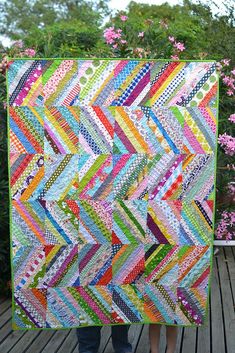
pixel 62 342
pixel 70 342
pixel 138 340
pixel 177 350
pixel 189 342
pixel 53 334
pixel 134 334
pixel 182 339
pixel 196 343
pixel 37 337
pixel 75 348
pixel 143 343
pixel 221 300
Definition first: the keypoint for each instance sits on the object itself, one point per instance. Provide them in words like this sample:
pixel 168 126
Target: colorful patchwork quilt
pixel 112 190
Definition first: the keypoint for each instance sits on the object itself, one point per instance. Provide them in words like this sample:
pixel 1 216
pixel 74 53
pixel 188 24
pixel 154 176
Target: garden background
pixel 86 29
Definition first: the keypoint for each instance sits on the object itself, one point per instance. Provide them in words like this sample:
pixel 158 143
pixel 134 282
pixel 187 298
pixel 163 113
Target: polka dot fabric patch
pixel 112 172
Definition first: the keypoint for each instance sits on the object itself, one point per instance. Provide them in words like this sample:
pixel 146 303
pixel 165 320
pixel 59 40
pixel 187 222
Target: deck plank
pixel 5 331
pixel 217 325
pixel 189 340
pixel 5 305
pixel 105 337
pixel 69 343
pixel 179 339
pixel 5 317
pixel 143 343
pixel 134 334
pixel 228 306
pixel 204 335
pixel 56 341
pixel 162 345
pixel 231 269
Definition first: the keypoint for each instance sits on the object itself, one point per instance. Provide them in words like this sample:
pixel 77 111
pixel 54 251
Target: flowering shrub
pixel 123 45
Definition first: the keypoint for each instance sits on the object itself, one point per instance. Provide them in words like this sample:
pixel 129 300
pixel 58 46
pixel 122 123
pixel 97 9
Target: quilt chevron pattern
pixel 112 190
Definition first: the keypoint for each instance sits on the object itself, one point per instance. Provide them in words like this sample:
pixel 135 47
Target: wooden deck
pixel 217 337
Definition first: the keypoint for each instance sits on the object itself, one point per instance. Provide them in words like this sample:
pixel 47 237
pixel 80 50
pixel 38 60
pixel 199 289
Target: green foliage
pixel 64 39
pixel 4 196
pixel 20 17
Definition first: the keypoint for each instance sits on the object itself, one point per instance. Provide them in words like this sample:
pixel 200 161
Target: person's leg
pixel 120 339
pixel 89 339
pixel 171 338
pixel 154 337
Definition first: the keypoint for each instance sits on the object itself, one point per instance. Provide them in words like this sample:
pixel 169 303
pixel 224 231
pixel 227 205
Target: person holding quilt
pixel 89 339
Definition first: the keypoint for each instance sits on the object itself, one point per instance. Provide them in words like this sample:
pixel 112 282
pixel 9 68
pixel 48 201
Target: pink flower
pixel 141 34
pixel 123 18
pixel 232 118
pixel 233 72
pixel 123 41
pixel 4 105
pixel 226 79
pixel 226 62
pixel 174 57
pixel 180 46
pixel 30 52
pixel 115 46
pixel 110 34
pixel 230 92
pixel 171 39
pixel 229 81
pixel 228 143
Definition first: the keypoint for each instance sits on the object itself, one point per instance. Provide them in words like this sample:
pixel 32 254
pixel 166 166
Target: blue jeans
pixel 89 339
